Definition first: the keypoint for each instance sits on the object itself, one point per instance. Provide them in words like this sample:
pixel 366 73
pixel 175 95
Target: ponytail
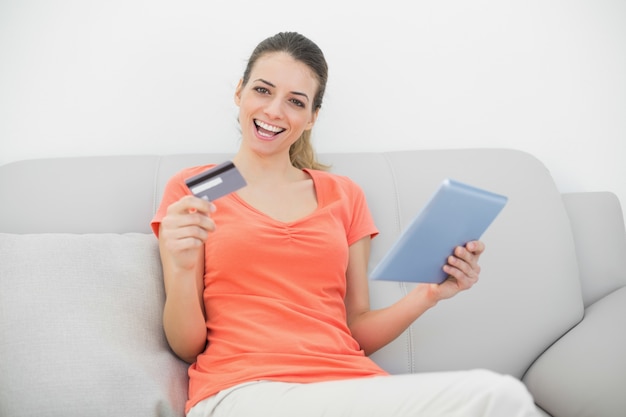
pixel 302 154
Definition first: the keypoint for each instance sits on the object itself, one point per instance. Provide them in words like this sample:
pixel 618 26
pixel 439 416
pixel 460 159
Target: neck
pixel 257 168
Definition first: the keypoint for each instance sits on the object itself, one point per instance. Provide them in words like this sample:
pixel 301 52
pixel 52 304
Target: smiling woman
pixel 274 106
pixel 288 330
pixel 313 64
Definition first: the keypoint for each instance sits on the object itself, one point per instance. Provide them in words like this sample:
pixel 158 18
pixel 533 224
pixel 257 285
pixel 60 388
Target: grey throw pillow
pixel 80 328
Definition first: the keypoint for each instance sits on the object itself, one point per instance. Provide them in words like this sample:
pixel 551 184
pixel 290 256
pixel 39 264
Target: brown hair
pixel 303 50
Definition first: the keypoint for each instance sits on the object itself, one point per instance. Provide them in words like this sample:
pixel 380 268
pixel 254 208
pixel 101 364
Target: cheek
pixel 304 119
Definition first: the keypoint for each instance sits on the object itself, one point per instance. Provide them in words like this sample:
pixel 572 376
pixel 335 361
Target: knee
pixel 506 394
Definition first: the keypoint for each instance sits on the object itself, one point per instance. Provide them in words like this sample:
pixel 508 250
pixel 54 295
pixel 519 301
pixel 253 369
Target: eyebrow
pixel 297 93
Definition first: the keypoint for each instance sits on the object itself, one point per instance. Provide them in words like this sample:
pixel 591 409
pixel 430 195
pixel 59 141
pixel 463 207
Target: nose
pixel 274 108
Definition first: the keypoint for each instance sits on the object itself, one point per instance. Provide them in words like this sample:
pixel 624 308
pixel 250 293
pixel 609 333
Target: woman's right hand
pixel 184 228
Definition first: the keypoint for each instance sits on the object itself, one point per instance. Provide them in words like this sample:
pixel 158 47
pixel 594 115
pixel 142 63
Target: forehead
pixel 282 70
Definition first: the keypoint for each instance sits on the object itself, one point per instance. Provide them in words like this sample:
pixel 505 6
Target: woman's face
pixel 276 105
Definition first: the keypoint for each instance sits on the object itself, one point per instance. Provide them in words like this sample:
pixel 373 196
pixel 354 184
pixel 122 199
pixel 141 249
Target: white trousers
pixel 443 394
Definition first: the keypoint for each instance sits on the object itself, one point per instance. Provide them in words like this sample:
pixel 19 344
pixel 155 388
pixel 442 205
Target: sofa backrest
pixel 528 295
pixel 599 232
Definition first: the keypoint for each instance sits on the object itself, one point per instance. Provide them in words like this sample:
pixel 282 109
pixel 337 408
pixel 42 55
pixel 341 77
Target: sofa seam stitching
pixel 155 184
pixel 402 285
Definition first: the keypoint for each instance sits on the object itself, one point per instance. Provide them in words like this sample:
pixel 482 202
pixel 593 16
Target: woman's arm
pixel 182 233
pixel 373 329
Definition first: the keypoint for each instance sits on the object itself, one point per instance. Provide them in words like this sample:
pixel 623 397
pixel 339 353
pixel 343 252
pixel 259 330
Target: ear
pixel 238 92
pixel 311 123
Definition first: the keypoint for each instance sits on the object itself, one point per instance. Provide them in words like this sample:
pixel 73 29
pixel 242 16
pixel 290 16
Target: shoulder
pixel 329 178
pixel 174 189
pixel 334 182
pixel 178 179
pixel 189 172
pixel 175 186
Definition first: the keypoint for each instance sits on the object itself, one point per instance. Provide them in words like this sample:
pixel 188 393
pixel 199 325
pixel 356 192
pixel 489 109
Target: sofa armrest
pixel 600 239
pixel 584 372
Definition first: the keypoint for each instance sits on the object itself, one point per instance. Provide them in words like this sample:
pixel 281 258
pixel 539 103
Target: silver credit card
pixel 216 182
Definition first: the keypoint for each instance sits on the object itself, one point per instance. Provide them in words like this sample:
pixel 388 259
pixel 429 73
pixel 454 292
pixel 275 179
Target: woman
pixel 267 288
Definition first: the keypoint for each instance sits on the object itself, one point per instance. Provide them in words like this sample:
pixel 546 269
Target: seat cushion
pixel 80 328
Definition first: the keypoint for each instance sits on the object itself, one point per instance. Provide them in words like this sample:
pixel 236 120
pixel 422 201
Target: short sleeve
pixel 362 223
pixel 175 189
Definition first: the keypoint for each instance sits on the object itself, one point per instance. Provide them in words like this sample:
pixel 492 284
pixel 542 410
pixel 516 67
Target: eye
pixel 261 90
pixel 297 102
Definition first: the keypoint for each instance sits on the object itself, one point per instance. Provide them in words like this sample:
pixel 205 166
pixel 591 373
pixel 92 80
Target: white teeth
pixel 270 128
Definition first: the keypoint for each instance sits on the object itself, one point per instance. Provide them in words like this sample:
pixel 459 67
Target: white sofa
pixel 81 291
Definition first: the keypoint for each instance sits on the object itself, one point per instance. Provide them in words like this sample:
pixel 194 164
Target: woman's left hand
pixel 462 269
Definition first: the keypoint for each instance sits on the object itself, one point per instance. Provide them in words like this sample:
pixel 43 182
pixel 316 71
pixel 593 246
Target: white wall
pixel 89 77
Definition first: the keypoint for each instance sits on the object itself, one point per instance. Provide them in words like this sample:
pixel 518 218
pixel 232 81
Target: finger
pixel 465 262
pixel 183 238
pixel 195 223
pixel 476 247
pixel 178 226
pixel 467 255
pixel 199 205
pixel 194 233
pixel 463 279
pixel 458 264
pixel 192 204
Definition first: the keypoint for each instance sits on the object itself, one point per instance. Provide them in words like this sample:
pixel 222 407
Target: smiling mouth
pixel 266 130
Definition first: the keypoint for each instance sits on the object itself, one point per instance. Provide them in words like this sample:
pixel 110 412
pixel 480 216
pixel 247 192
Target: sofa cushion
pixel 80 328
pixel 566 379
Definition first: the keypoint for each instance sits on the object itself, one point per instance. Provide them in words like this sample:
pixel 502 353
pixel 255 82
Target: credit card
pixel 216 182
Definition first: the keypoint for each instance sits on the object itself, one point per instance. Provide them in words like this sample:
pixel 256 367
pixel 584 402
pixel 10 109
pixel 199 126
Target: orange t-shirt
pixel 274 291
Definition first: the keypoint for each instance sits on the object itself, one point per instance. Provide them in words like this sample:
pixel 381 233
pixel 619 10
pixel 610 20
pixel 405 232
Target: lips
pixel 266 130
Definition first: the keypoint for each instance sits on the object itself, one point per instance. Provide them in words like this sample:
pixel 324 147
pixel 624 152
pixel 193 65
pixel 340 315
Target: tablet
pixel 456 214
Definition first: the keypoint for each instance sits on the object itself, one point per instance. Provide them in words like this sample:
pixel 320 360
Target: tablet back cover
pixel 456 214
